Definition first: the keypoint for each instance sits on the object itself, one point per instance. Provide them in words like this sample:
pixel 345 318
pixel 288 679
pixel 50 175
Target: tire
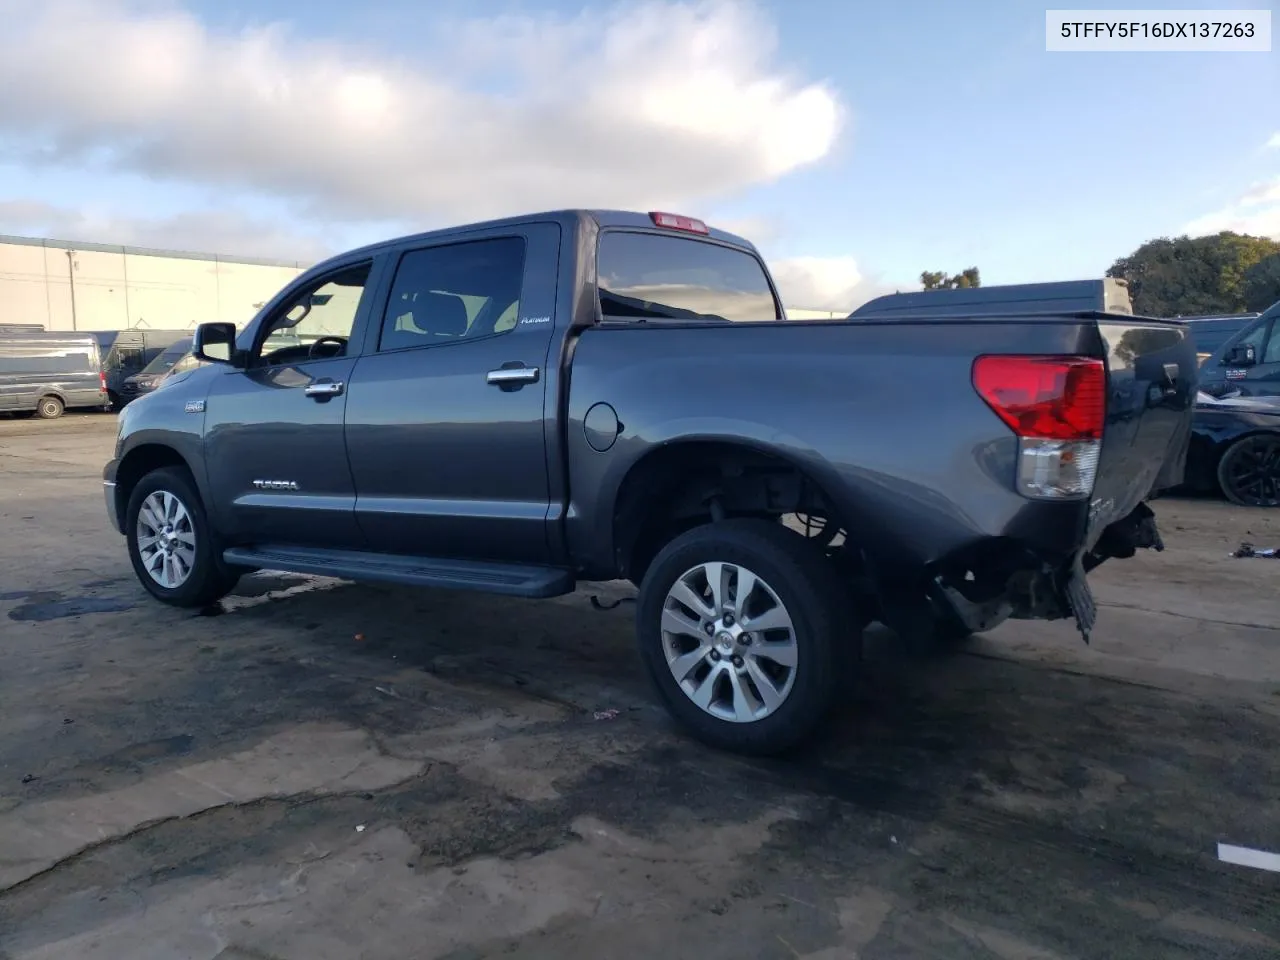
pixel 207 578
pixel 49 408
pixel 113 402
pixel 823 636
pixel 1249 472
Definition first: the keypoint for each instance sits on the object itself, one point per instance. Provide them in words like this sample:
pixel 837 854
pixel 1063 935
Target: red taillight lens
pixel 674 221
pixel 102 381
pixel 1048 398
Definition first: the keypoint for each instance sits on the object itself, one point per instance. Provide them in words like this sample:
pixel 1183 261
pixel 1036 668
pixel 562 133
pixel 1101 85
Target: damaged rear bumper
pixel 982 586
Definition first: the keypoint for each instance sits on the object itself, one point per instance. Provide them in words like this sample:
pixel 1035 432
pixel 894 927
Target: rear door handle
pixel 512 376
pixel 324 389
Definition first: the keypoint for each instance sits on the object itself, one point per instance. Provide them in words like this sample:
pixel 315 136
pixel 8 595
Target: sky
pixel 856 143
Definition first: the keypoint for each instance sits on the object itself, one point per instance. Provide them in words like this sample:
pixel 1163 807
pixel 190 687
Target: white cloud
pixel 1255 212
pixel 824 283
pixel 1274 142
pixel 201 231
pixel 655 105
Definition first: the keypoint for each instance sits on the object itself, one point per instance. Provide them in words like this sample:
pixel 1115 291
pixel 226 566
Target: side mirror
pixel 215 343
pixel 1242 355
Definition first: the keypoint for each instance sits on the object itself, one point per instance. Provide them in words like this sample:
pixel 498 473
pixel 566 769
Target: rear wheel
pixel 171 545
pixel 1249 472
pixel 49 408
pixel 744 631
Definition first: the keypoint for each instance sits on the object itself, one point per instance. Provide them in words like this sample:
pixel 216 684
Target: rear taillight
pixel 102 381
pixel 1057 408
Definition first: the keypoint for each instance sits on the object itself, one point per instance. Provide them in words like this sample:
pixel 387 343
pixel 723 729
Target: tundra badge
pixel 275 484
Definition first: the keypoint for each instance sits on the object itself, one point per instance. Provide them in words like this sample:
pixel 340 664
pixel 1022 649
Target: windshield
pixel 172 355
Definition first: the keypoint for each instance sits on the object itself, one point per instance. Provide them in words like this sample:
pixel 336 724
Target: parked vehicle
pixel 1235 449
pixel 127 352
pixel 1248 362
pixel 47 372
pixel 1211 332
pixel 515 406
pixel 149 377
pixel 1107 295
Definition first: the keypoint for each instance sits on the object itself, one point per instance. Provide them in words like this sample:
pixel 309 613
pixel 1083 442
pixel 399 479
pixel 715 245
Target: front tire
pixel 745 633
pixel 171 544
pixel 49 408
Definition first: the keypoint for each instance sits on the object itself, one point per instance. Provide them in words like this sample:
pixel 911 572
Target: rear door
pixel 446 412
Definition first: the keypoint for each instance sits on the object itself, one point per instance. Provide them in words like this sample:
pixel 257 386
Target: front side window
pixel 318 320
pixel 1271 353
pixel 645 276
pixel 458 291
pixel 1257 337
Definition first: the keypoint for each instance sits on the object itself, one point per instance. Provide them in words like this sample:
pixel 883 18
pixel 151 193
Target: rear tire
pixel 49 408
pixel 716 675
pixel 173 549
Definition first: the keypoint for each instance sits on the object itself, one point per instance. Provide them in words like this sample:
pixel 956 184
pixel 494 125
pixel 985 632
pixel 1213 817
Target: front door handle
pixel 512 376
pixel 324 389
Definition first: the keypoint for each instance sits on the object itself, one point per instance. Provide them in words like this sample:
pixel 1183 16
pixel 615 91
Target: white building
pixel 95 286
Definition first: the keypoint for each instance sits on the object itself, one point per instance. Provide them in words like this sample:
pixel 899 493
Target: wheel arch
pixel 671 488
pixel 140 461
pixel 51 392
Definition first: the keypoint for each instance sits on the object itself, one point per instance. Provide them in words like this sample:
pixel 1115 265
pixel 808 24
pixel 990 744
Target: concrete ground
pixel 328 771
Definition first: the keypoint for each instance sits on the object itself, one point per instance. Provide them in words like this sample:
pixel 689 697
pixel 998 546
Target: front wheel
pixel 171 544
pixel 1249 472
pixel 744 631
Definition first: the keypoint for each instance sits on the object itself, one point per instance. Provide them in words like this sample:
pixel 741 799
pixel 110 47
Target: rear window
pixel 645 276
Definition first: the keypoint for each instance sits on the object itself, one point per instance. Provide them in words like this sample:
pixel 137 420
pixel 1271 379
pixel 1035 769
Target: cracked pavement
pixel 329 771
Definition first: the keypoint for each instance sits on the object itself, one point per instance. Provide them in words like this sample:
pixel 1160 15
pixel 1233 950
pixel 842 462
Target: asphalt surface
pixel 324 770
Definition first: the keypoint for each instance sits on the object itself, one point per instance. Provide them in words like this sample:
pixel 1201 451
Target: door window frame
pixel 373 338
pixel 259 329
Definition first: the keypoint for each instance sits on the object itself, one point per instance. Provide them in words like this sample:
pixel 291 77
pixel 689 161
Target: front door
pixel 1263 378
pixel 274 446
pixel 446 409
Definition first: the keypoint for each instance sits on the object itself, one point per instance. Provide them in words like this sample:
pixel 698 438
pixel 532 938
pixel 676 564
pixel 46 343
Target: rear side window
pixel 37 360
pixel 645 276
pixel 456 291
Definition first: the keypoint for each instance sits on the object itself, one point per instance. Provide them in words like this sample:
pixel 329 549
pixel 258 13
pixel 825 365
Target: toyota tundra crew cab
pixel 518 405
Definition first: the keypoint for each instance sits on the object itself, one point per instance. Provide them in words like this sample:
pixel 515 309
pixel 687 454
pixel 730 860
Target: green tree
pixel 1188 276
pixel 941 281
pixel 1261 284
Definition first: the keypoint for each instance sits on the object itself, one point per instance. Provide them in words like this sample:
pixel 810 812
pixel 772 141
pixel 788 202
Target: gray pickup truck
pixel 519 405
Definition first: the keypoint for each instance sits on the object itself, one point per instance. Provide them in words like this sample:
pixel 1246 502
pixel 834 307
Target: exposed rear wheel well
pixel 137 464
pixel 684 485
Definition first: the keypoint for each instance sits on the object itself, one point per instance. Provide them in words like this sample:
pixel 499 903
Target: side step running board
pixel 501 578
